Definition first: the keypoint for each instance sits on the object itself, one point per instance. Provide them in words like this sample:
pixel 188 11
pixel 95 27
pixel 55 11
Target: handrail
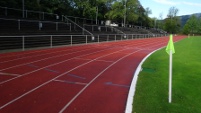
pixel 118 31
pixel 24 42
pixel 79 26
pixel 41 12
pixel 73 35
pixel 28 10
pixel 149 32
pixel 32 20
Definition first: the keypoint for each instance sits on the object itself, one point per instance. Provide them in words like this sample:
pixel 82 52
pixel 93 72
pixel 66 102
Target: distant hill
pixel 184 18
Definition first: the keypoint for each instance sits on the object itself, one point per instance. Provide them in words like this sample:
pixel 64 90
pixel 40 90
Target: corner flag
pixel 170 46
pixel 170 50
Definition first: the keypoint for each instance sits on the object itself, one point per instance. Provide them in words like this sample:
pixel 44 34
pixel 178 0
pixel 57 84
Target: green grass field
pixel 151 94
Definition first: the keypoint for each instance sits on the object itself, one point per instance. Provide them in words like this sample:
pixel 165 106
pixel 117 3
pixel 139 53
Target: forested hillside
pixel 185 18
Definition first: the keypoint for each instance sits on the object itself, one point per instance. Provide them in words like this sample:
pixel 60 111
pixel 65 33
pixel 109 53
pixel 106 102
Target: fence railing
pixel 99 28
pixel 77 25
pixel 27 42
pixel 40 15
pixel 84 20
pixel 18 13
pixel 21 25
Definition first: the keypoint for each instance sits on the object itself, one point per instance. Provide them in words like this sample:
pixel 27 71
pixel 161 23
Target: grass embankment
pixel 151 94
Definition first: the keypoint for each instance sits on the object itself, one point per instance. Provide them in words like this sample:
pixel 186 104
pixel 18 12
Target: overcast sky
pixel 162 6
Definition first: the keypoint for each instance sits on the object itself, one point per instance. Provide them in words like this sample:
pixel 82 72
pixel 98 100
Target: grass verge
pixel 151 94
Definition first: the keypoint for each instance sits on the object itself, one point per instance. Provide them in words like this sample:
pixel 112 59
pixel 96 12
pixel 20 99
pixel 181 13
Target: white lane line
pixel 64 108
pixel 32 56
pixel 76 76
pixel 50 58
pixel 53 64
pixel 87 47
pixel 131 93
pixel 30 91
pixel 38 51
pixel 42 59
pixel 48 66
pixel 42 54
pixel 105 61
pixel 21 54
pixel 70 82
pixel 10 74
pixel 96 60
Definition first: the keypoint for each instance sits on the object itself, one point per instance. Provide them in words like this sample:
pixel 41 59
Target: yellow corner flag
pixel 170 46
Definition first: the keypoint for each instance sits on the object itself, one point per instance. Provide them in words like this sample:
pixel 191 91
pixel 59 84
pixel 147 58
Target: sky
pixel 162 7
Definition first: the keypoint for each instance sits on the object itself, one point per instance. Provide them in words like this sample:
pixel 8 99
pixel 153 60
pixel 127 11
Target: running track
pixel 92 78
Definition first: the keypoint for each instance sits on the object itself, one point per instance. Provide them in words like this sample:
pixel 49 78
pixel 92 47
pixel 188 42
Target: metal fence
pixel 80 20
pixel 21 25
pixel 18 13
pixel 27 42
pixel 40 15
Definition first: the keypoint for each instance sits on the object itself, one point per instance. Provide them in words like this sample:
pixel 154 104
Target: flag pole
pixel 170 50
pixel 170 77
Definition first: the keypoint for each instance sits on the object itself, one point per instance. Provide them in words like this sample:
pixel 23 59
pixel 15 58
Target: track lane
pixel 109 92
pixel 12 68
pixel 64 66
pixel 14 55
pixel 45 64
pixel 7 89
pixel 122 53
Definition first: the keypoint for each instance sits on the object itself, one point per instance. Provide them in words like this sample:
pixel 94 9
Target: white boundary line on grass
pixel 131 94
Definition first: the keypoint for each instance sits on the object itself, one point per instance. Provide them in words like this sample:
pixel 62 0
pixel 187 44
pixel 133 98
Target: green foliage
pixel 148 11
pixel 117 11
pixel 107 9
pixel 131 11
pixel 186 29
pixel 172 25
pixel 172 22
pixel 192 26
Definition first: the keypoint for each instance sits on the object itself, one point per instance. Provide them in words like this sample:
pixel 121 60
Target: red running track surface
pixel 92 78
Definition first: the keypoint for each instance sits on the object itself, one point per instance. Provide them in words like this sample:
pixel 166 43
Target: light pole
pixel 125 14
pixel 23 8
pixel 96 15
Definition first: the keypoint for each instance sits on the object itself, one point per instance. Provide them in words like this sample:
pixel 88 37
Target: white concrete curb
pixel 131 94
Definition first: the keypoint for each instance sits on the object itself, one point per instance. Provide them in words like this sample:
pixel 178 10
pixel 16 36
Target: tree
pixel 199 26
pixel 173 11
pixel 148 11
pixel 131 11
pixel 160 21
pixel 172 22
pixel 117 11
pixel 135 13
pixel 192 25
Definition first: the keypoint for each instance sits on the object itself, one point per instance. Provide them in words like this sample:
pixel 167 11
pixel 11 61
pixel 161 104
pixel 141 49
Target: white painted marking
pixel 42 60
pixel 30 91
pixel 46 67
pixel 96 60
pixel 64 108
pixel 11 74
pixel 52 64
pixel 64 81
pixel 131 94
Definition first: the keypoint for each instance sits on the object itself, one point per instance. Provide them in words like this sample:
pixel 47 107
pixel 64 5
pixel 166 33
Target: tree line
pixel 120 11
pixel 192 26
pixel 130 11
